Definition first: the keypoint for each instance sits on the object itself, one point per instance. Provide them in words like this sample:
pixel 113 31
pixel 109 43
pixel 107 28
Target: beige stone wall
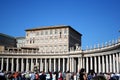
pixel 2 48
pixel 52 39
pixel 49 40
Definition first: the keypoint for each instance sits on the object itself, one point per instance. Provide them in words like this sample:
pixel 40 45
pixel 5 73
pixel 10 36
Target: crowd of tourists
pixel 81 75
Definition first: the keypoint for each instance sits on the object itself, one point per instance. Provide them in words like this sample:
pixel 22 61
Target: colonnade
pixel 102 63
pixel 46 64
pixel 99 63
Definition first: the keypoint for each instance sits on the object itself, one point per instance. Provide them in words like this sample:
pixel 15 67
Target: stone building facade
pixel 102 58
pixel 56 39
pixel 20 42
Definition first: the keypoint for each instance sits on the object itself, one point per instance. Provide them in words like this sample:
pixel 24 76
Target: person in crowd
pixel 91 74
pixel 43 76
pixel 36 76
pixel 99 78
pixel 27 76
pixel 64 75
pixel 75 76
pixel 15 75
pixel 107 76
pixel 19 76
pixel 54 76
pixel 117 75
pixel 68 75
pixel 72 76
pixel 23 75
pixel 32 77
pixel 83 75
pixel 2 75
pixel 10 75
pixel 60 77
pixel 114 77
pixel 50 73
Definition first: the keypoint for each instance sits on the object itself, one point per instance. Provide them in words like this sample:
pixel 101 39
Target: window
pixel 60 33
pixel 60 46
pixel 55 31
pixel 46 32
pixel 50 31
pixel 55 37
pixel 30 41
pixel 65 36
pixel 65 47
pixel 41 32
pixel 37 33
pixel 55 46
pixel 33 40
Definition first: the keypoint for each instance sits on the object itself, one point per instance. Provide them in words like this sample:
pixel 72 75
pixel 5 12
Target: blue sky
pixel 97 20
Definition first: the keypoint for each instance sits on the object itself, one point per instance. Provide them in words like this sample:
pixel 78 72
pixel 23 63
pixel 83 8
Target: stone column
pixel 63 64
pixel 72 63
pixel 45 65
pixel 17 64
pixel 2 63
pixel 27 64
pixel 54 64
pixel 83 65
pixel 59 64
pixel 12 63
pixel 22 66
pixel 114 63
pixel 110 63
pixel 68 64
pixel 41 65
pixel 95 64
pixel 103 64
pixel 31 64
pixel 117 63
pixel 7 64
pixel 107 63
pixel 91 63
pixel 99 64
pixel 79 61
pixel 50 64
pixel 74 66
pixel 87 65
